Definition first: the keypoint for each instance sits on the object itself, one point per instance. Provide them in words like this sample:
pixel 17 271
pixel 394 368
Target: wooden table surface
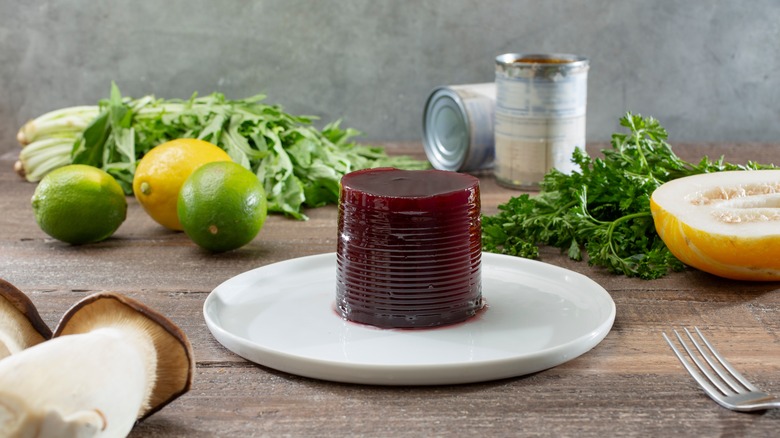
pixel 629 384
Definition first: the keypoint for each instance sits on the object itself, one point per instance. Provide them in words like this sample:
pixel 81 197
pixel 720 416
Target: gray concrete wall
pixel 708 70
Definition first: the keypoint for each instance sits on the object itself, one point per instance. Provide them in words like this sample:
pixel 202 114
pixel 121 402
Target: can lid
pixel 541 64
pixel 445 130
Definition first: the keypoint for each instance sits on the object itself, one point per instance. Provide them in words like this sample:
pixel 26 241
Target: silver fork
pixel 718 378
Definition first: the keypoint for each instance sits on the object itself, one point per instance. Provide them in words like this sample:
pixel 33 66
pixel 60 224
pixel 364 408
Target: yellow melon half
pixel 725 223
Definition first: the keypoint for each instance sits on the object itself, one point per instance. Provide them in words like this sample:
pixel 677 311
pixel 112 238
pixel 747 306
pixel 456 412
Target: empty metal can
pixel 539 116
pixel 458 127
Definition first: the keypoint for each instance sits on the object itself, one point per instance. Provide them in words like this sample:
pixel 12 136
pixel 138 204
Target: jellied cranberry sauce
pixel 409 248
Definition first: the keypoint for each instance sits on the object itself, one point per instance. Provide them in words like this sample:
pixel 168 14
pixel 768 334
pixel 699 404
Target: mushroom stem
pixel 109 370
pixel 111 361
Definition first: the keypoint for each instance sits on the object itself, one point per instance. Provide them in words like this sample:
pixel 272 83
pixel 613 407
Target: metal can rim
pixel 432 143
pixel 525 62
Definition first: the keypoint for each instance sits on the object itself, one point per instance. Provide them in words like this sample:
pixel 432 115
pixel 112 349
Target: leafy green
pixel 602 210
pixel 300 166
pixel 109 142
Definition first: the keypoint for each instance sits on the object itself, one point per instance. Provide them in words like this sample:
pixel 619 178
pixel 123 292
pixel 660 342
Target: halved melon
pixel 725 223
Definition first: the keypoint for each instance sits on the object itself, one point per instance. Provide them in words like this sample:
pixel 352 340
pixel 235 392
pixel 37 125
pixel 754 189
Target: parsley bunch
pixel 603 209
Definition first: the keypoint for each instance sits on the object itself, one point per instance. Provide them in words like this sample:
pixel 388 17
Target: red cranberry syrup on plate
pixel 409 248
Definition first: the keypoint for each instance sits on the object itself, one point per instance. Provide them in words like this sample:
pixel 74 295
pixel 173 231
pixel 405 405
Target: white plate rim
pixel 413 374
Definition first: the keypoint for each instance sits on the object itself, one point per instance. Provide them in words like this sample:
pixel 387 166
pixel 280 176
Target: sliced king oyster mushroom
pixel 112 361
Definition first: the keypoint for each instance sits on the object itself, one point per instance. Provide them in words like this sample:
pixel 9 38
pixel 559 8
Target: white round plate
pixel 283 316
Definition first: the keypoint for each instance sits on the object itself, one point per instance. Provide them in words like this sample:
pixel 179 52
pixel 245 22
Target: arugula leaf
pixel 604 207
pixel 88 148
pixel 299 165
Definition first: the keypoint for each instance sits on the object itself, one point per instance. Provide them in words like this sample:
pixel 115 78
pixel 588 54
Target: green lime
pixel 222 206
pixel 79 204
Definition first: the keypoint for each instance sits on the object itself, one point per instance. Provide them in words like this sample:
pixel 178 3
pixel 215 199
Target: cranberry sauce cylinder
pixel 409 248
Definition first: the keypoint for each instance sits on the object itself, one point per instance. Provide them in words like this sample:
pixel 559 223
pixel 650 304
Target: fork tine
pixel 713 379
pixel 697 376
pixel 744 401
pixel 725 364
pixel 713 359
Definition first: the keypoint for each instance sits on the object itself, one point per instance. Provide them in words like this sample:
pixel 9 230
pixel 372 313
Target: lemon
pixel 222 206
pixel 79 204
pixel 161 172
pixel 724 223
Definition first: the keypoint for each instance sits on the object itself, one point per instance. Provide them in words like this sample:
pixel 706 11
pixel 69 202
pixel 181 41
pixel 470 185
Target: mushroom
pixel 112 361
pixel 20 324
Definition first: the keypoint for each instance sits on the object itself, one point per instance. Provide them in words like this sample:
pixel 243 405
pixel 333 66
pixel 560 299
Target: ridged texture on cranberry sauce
pixel 409 248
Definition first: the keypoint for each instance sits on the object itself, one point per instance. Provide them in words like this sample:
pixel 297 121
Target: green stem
pixel 613 224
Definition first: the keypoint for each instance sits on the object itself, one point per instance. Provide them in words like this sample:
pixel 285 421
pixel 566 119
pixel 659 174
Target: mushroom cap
pixel 175 360
pixel 35 329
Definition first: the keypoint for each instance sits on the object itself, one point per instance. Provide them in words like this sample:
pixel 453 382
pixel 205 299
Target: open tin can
pixel 540 110
pixel 458 127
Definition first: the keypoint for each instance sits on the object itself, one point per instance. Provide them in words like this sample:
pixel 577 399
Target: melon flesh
pixel 725 223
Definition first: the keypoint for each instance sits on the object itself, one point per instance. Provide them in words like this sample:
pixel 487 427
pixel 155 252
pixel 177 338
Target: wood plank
pixel 630 384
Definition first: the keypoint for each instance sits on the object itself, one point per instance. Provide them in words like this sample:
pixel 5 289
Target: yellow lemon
pixel 725 223
pixel 162 171
pixel 79 204
pixel 222 206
